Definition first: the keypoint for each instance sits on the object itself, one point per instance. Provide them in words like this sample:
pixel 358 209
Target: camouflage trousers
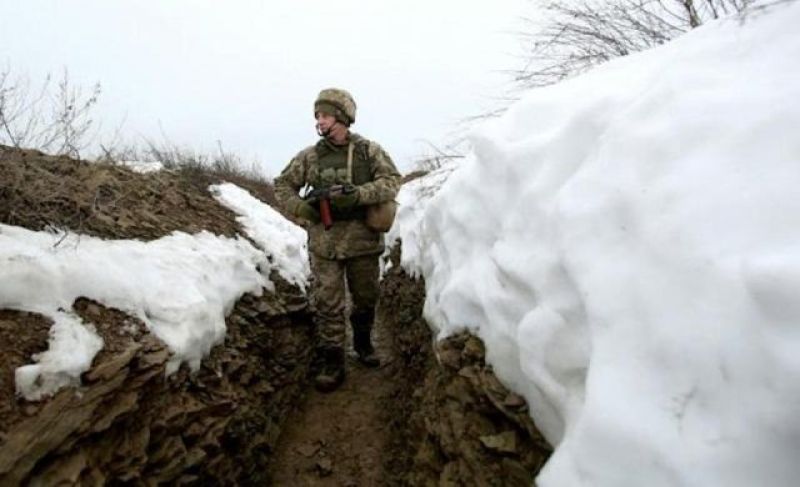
pixel 333 278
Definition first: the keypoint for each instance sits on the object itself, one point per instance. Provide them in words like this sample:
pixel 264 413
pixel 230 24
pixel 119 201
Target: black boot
pixel 362 342
pixel 331 374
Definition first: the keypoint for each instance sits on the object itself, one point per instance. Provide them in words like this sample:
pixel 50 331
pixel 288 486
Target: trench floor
pixel 340 438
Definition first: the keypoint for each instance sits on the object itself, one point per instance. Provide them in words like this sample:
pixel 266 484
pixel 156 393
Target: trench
pixel 356 435
pixel 416 420
pixel 248 416
pixel 251 417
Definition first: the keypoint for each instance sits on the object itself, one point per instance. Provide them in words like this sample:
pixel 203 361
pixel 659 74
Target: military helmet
pixel 336 102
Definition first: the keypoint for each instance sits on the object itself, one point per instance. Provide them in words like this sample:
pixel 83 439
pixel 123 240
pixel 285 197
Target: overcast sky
pixel 246 72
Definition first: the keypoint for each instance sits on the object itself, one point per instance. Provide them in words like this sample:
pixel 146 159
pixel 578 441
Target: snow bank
pixel 627 243
pixel 412 200
pixel 181 286
pixel 284 242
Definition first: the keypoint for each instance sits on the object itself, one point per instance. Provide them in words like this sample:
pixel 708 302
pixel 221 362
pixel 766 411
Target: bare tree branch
pixel 575 35
pixel 58 122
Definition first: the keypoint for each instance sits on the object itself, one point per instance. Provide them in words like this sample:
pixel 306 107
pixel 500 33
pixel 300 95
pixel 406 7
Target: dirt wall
pixel 456 422
pixel 128 423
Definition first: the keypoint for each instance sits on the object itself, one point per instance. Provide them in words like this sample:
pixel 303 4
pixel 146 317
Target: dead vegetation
pixel 221 164
pixel 55 119
pixel 38 191
pixel 570 36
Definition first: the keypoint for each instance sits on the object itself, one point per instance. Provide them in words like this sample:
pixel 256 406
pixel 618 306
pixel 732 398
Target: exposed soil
pixel 25 334
pixel 359 434
pixel 39 191
pixel 17 351
pixel 414 421
pixel 127 423
pixel 339 438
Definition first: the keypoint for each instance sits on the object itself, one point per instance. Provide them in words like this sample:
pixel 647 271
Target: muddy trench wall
pixel 458 424
pixel 129 424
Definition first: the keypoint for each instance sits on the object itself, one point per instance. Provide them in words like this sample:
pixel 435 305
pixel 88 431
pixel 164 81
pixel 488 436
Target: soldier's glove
pixel 347 199
pixel 306 211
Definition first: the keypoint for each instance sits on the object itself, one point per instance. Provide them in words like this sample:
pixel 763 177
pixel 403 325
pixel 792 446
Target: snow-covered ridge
pixel 627 244
pixel 181 286
pixel 284 242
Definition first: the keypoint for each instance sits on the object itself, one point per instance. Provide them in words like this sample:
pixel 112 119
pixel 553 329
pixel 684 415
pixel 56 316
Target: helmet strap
pixel 327 133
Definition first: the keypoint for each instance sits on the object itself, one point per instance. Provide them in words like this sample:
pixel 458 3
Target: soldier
pixel 361 174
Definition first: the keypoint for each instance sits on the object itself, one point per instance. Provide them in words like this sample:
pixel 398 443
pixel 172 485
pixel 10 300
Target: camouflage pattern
pixel 332 164
pixel 347 238
pixel 348 252
pixel 329 298
pixel 339 99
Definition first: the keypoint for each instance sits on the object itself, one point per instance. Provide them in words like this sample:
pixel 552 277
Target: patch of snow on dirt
pixel 182 286
pixel 143 167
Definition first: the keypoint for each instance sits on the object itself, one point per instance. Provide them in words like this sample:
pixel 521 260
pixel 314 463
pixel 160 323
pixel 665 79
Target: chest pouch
pixel 380 217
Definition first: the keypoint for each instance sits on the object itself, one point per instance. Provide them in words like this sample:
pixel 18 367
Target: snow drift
pixel 181 286
pixel 627 244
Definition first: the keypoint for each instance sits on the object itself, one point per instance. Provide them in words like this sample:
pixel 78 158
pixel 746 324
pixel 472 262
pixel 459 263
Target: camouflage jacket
pixel 377 180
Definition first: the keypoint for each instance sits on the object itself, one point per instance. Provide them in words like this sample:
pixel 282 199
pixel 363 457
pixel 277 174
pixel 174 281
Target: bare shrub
pixel 53 119
pixel 181 158
pixel 222 163
pixel 200 168
pixel 56 118
pixel 437 156
pixel 574 35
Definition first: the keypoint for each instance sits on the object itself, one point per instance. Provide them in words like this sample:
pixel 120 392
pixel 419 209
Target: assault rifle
pixel 323 197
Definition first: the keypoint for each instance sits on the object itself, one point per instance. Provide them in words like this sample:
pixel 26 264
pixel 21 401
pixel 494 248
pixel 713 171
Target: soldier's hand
pixel 306 212
pixel 346 200
pixel 340 189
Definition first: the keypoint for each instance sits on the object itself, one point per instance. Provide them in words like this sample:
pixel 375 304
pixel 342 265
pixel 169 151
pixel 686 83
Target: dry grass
pixel 38 191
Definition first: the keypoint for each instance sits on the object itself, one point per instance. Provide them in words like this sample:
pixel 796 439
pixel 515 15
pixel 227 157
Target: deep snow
pixel 627 244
